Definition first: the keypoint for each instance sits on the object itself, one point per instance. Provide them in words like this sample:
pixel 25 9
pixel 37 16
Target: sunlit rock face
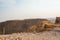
pixel 48 25
pixel 27 25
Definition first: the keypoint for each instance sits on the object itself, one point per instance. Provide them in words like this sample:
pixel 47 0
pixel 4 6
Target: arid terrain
pixel 46 35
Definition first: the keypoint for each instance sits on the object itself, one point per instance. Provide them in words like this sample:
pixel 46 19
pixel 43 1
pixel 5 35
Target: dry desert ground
pixel 46 35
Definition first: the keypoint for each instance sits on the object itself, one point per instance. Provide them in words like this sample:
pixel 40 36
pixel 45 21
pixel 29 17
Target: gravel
pixel 46 35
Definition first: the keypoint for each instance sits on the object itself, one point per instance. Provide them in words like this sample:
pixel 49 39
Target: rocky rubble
pixel 46 35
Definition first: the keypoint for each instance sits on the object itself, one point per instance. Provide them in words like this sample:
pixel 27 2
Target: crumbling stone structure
pixel 27 25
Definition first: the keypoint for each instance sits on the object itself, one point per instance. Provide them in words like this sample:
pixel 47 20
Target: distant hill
pixel 52 19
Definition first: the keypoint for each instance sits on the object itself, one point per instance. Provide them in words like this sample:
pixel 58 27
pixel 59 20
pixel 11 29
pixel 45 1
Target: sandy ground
pixel 46 35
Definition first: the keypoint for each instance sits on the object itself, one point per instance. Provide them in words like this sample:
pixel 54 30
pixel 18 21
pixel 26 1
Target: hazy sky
pixel 22 9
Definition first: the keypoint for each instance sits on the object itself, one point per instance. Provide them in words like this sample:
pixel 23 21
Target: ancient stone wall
pixel 17 26
pixel 57 20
